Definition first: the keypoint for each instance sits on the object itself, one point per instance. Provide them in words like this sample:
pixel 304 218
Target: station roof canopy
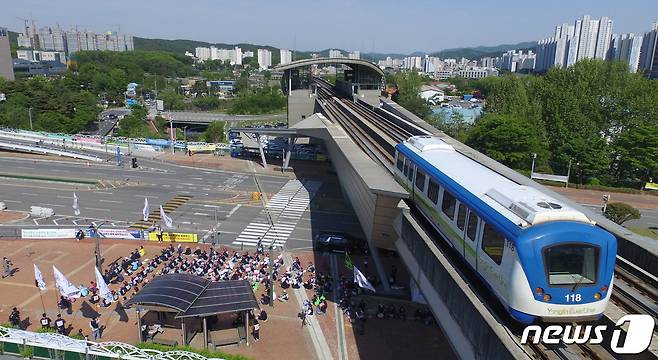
pixel 191 295
pixel 318 61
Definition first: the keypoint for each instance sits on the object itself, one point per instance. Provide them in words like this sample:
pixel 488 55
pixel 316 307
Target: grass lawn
pixel 652 233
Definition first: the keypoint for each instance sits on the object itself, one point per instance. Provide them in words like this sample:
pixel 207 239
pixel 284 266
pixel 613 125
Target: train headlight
pixel 597 296
pixel 539 291
pixel 547 297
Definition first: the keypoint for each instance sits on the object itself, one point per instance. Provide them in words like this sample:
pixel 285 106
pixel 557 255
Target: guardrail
pixel 41 150
pixel 55 346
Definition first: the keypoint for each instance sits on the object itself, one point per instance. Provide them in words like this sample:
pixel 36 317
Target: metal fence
pixel 60 347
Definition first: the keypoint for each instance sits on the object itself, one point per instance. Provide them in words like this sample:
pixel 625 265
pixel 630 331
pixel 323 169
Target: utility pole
pixel 171 134
pixel 532 169
pixel 29 113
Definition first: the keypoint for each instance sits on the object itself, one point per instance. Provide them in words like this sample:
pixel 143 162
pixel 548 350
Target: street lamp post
pixel 171 134
pixel 29 113
pixel 272 258
pixel 568 173
pixel 532 169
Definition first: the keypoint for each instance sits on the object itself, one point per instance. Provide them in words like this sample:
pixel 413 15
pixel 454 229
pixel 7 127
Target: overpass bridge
pixel 359 130
pixel 205 118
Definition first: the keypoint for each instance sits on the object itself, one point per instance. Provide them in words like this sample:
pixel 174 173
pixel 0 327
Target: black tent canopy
pixel 192 295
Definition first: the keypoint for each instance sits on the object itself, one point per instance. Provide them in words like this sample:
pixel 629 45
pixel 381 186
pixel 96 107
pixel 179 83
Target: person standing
pixel 15 317
pixel 302 316
pixel 158 233
pixel 59 323
pixel 256 332
pixel 6 267
pixel 95 329
pixel 45 321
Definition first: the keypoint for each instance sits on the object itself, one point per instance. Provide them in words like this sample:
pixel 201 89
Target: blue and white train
pixel 544 260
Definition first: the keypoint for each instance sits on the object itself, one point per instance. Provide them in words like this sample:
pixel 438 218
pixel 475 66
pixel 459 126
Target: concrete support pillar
pixel 246 327
pixel 381 272
pixel 182 327
pixel 139 325
pixel 286 160
pixel 205 333
pixel 262 152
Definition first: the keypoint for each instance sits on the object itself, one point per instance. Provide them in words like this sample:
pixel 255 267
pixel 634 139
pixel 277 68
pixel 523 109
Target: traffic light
pixel 134 163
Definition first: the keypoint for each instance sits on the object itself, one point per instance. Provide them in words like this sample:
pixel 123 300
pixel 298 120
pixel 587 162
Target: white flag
pixel 362 281
pixel 167 220
pixel 76 208
pixel 64 285
pixel 145 212
pixel 38 278
pixel 103 289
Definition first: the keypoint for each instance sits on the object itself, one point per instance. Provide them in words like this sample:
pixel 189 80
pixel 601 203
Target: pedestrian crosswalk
pixel 154 216
pixel 283 211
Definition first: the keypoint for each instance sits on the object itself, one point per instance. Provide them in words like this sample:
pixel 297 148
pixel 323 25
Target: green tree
pixel 172 100
pixel 621 212
pixel 637 153
pixel 505 138
pixel 408 84
pixel 214 133
pixel 134 125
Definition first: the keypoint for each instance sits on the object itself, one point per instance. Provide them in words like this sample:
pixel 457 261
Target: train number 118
pixel 573 297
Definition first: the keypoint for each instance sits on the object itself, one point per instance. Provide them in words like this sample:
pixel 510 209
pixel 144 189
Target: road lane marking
pixel 97 209
pixel 111 201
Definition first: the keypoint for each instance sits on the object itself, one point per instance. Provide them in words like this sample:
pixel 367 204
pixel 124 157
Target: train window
pixel 472 229
pixel 448 204
pixel 400 162
pixel 461 216
pixel 571 264
pixel 405 171
pixel 420 180
pixel 410 174
pixel 433 191
pixel 493 243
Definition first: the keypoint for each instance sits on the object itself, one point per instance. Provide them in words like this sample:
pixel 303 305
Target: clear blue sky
pixel 383 26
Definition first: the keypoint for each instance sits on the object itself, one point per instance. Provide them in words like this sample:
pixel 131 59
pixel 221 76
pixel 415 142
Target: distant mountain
pixel 476 53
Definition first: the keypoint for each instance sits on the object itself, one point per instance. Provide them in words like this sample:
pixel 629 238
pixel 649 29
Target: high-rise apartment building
pixel 587 39
pixel 626 48
pixel 335 54
pixel 6 64
pixel 356 54
pixel 286 56
pixel 264 59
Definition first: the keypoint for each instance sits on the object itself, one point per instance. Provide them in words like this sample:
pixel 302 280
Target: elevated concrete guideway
pixel 355 78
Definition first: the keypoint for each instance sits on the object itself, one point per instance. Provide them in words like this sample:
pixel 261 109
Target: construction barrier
pixel 174 237
pixel 47 233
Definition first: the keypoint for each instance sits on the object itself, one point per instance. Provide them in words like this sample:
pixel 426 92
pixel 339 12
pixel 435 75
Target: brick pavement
pixel 281 334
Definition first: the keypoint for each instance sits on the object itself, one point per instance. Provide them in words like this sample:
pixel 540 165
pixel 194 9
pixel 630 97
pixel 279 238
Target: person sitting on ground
pixel 142 252
pixel 284 296
pixel 264 299
pixel 322 308
pixel 311 267
pixel 64 303
pixel 262 316
pixel 380 311
pixel 95 299
pixel 188 251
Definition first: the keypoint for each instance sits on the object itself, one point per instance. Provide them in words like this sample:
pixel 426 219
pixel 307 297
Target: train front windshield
pixel 571 265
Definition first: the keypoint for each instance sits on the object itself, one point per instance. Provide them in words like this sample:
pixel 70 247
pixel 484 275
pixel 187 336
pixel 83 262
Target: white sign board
pixel 47 233
pixel 159 105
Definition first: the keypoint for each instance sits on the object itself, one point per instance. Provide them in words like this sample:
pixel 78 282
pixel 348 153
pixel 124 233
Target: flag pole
pixel 42 303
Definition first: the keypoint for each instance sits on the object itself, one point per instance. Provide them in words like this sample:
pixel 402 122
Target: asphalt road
pixel 107 124
pixel 220 199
